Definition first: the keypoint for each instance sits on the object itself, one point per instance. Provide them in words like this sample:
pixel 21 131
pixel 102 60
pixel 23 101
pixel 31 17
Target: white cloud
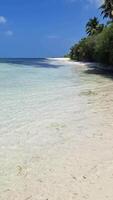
pixel 53 37
pixel 96 2
pixel 93 2
pixel 9 33
pixel 3 20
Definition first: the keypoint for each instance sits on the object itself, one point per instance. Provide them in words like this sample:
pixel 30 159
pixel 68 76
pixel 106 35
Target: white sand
pixel 78 167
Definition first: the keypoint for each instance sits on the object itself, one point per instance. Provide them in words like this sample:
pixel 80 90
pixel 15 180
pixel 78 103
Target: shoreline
pixel 58 144
pixel 94 65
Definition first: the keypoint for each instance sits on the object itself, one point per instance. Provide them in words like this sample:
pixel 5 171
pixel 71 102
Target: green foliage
pixel 107 9
pixel 84 50
pixel 93 27
pixel 98 47
pixel 104 46
pixel 66 56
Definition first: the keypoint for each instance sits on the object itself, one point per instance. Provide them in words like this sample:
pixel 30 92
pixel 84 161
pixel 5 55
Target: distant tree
pixel 71 53
pixel 93 26
pixel 107 9
pixel 84 49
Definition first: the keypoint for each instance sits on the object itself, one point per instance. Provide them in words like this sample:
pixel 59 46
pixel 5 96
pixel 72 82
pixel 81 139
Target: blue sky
pixel 43 28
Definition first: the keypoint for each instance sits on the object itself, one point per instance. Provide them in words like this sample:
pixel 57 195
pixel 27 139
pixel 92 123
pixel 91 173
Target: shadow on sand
pixel 98 69
pixel 31 62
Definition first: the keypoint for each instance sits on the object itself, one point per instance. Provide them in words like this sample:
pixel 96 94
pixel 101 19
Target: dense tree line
pixel 98 45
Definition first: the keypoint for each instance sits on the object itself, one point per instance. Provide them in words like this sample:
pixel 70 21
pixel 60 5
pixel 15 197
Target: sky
pixel 43 28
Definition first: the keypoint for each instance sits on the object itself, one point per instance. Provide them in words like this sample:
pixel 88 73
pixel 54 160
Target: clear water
pixel 38 97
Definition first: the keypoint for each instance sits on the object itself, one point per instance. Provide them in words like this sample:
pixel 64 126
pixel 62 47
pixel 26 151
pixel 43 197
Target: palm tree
pixel 107 9
pixel 93 26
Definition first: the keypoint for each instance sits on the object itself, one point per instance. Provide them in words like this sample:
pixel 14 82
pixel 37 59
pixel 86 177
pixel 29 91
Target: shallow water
pixel 37 97
pixel 43 102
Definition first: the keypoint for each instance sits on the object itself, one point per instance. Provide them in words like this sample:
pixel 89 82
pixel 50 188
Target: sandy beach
pixel 65 151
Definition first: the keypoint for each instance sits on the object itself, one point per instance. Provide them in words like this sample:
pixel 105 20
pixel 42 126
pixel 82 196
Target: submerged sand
pixel 78 166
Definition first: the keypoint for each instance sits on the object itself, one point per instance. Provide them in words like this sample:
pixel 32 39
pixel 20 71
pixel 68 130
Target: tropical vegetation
pixel 97 46
pixel 93 27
